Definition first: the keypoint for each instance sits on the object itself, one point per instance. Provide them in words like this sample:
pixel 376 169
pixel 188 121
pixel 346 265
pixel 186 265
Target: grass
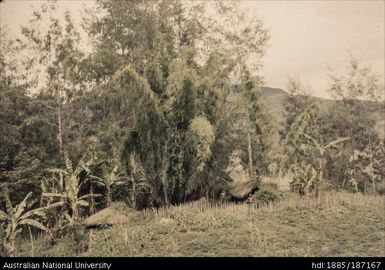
pixel 337 224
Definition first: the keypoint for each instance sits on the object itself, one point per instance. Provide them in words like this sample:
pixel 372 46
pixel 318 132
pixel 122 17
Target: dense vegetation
pixel 161 111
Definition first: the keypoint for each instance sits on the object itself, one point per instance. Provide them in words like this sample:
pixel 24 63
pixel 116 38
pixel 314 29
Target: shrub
pixel 267 193
pixel 380 188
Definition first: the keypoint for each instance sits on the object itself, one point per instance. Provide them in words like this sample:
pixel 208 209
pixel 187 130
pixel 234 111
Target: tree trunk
pixel 60 135
pixel 12 244
pixel 371 165
pixel 166 201
pixel 250 154
pixel 75 213
pixel 320 175
pixel 133 196
pixel 92 203
pixel 109 197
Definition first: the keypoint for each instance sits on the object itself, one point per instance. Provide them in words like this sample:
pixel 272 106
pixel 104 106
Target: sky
pixel 307 37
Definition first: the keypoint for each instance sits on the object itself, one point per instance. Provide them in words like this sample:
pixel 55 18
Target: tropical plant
pixel 320 159
pixel 70 183
pixel 110 179
pixel 19 215
pixel 304 178
pixel 137 180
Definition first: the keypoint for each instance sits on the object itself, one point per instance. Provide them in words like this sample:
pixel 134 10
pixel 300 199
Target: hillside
pixel 275 98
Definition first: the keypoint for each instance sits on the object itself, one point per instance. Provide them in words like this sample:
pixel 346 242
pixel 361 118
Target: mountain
pixel 270 91
pixel 274 99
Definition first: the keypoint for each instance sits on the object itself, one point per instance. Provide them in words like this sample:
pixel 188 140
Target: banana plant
pixel 19 215
pixel 321 149
pixel 304 178
pixel 137 180
pixel 109 180
pixel 71 185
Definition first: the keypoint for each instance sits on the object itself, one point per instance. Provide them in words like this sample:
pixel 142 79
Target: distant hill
pixel 270 91
pixel 275 99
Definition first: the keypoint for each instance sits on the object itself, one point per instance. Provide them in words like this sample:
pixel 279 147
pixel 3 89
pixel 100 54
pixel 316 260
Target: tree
pixel 162 49
pixel 290 153
pixel 26 136
pixel 50 52
pixel 359 95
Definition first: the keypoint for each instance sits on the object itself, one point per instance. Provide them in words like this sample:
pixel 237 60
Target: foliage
pixel 16 216
pixel 167 98
pixel 110 180
pixel 320 162
pixel 267 193
pixel 69 182
pixel 358 83
pixel 138 182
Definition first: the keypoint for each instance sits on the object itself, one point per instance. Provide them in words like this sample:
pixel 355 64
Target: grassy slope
pixel 340 224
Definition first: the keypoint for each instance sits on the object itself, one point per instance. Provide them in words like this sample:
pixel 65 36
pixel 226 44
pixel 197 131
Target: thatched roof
pixel 243 190
pixel 107 217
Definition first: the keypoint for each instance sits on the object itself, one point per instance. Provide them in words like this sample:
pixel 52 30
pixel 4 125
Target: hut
pixel 242 191
pixel 108 217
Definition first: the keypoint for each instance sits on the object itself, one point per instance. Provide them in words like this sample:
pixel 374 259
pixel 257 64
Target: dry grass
pixel 337 224
pixel 331 200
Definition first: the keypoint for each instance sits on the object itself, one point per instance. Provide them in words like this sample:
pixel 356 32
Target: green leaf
pixel 58 171
pixel 82 203
pixel 54 195
pixel 68 163
pixel 89 196
pixel 8 230
pixel 68 217
pixel 311 140
pixel 334 143
pixel 34 212
pixel 20 208
pixel 33 223
pixel 8 205
pixel 3 216
pixel 96 179
pixel 41 212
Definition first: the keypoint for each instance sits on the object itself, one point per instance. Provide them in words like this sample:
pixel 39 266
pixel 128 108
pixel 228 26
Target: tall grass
pixel 332 200
pixel 335 224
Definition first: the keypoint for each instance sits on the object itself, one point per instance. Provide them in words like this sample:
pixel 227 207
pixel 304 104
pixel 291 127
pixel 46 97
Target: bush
pixel 267 193
pixel 2 237
pixel 380 188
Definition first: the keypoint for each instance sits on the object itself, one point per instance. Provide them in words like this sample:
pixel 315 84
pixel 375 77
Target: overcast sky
pixel 307 37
